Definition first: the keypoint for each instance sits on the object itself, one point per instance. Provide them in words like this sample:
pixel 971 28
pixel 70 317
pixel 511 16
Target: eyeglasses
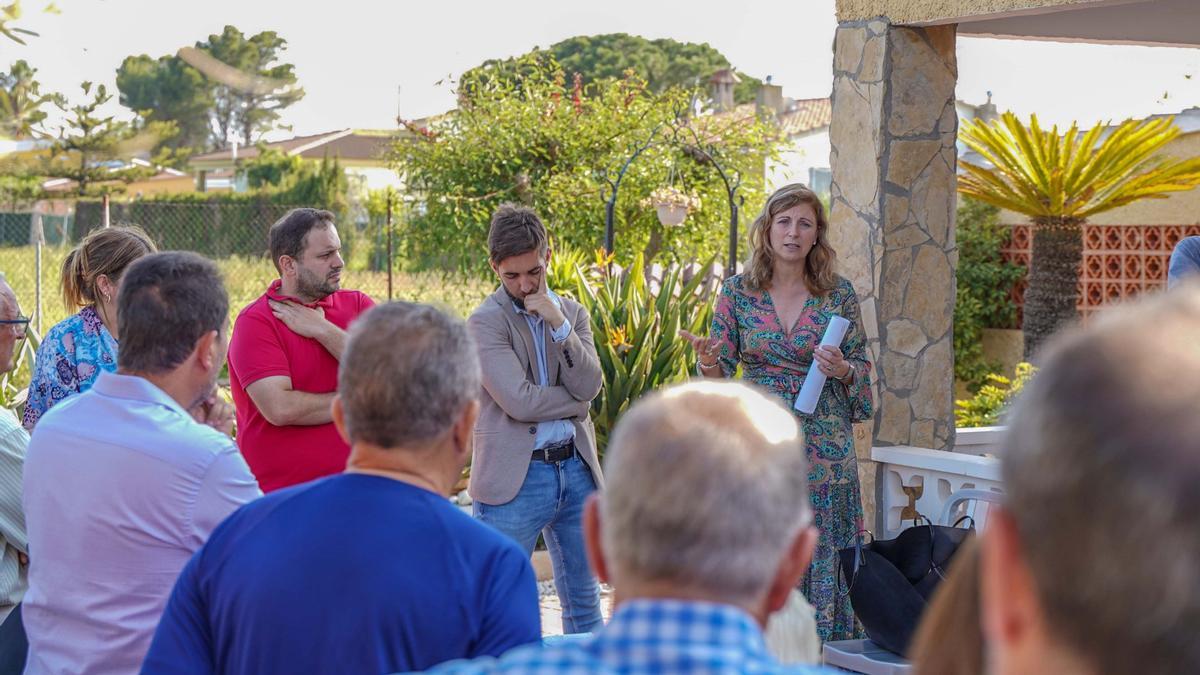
pixel 21 323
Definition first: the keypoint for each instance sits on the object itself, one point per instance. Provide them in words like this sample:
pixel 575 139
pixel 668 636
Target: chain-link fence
pixel 234 235
pixel 33 246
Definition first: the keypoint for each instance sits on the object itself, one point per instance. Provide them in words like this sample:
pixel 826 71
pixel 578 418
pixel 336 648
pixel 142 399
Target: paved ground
pixel 552 610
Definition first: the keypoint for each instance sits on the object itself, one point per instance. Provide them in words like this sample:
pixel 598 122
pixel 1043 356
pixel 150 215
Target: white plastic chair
pixel 970 502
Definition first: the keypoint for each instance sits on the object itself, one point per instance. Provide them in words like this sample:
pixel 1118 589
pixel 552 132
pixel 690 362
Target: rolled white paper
pixel 814 382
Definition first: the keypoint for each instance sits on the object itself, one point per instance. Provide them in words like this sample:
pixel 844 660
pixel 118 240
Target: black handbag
pixel 891 580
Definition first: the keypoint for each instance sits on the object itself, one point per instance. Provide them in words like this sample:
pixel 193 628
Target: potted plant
pixel 671 204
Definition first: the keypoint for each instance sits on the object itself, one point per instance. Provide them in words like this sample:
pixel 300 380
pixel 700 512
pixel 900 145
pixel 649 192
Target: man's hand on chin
pixel 542 305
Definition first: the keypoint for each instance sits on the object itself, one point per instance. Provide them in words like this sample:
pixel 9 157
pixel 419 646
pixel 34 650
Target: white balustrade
pixel 938 474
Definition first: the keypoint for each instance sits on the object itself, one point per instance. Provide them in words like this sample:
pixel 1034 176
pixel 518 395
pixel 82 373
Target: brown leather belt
pixel 555 453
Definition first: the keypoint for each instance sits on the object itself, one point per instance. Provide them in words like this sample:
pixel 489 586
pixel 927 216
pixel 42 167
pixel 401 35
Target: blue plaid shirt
pixel 649 636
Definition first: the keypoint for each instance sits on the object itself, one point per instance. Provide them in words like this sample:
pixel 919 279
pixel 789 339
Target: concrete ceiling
pixel 1143 22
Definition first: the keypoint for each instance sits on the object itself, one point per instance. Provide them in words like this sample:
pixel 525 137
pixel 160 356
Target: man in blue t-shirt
pixel 371 571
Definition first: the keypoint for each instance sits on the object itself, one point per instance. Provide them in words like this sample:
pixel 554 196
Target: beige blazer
pixel 512 403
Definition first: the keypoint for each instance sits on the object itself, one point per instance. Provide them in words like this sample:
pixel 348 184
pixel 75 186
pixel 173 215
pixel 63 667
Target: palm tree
pixel 1059 181
pixel 21 102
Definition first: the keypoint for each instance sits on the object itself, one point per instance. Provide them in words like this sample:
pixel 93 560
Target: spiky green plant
pixel 635 330
pixel 1059 181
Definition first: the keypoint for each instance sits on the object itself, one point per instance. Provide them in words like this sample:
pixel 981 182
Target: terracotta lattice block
pixel 1112 266
pixel 1152 238
pixel 1131 237
pixel 1133 266
pixel 1112 291
pixel 1022 238
pixel 1112 238
pixel 1171 236
pixel 1093 266
pixel 1155 268
pixel 1093 238
pixel 1093 294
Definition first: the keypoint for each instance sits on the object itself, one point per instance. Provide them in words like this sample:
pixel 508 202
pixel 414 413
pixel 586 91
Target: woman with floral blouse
pixel 75 351
pixel 770 319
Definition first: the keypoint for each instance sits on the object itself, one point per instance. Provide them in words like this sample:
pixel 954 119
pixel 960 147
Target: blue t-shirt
pixel 353 573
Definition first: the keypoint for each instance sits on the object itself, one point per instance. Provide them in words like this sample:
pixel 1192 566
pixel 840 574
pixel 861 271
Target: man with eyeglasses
pixel 14 560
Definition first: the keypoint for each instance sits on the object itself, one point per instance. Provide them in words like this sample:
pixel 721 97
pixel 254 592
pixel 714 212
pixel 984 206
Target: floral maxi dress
pixel 749 330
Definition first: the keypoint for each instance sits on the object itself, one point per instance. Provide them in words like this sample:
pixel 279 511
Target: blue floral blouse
pixel 72 355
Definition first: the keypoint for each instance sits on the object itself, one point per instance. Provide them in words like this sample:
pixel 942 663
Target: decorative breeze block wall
pixel 1119 261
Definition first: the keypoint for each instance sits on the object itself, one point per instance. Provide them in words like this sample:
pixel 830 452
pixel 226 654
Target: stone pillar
pixel 892 221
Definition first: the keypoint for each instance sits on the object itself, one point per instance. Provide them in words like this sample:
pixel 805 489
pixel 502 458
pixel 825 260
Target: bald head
pixel 706 488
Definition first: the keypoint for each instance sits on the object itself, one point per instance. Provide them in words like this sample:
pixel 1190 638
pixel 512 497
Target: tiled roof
pixel 346 144
pixel 802 116
pixel 807 115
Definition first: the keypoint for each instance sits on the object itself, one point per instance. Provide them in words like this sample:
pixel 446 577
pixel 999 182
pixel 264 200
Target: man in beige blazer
pixel 534 460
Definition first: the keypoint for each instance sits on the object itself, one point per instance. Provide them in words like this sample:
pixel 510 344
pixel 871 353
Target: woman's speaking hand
pixel 707 349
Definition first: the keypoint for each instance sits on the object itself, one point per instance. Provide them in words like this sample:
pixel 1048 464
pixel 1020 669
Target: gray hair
pixel 1102 471
pixel 707 488
pixel 406 374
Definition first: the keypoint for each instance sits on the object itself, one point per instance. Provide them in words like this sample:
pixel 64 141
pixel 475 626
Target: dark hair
pixel 106 251
pixel 515 230
pixel 397 397
pixel 287 235
pixel 1101 463
pixel 167 302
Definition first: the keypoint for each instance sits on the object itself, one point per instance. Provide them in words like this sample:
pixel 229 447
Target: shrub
pixel 985 285
pixel 985 408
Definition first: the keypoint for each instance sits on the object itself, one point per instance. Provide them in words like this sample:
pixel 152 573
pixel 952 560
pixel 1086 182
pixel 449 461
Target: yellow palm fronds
pixel 1046 175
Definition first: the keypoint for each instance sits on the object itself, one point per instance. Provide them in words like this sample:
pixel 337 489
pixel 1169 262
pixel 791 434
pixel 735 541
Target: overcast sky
pixel 360 61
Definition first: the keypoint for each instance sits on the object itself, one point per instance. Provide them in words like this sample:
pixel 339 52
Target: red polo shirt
pixel 262 346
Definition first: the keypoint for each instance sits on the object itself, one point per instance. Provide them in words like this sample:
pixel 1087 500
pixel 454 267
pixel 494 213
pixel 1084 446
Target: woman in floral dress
pixel 77 349
pixel 770 319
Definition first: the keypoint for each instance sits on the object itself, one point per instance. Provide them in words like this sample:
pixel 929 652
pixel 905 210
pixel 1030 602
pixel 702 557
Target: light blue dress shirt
pixel 558 431
pixel 121 486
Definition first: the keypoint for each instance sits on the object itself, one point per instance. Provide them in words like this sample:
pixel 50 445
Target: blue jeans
pixel 550 501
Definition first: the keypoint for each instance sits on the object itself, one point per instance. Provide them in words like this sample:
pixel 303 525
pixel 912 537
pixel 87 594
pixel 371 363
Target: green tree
pixel 21 102
pixel 1058 181
pixel 556 146
pixel 662 63
pixel 167 89
pixel 297 181
pixel 90 146
pixel 984 288
pixel 248 101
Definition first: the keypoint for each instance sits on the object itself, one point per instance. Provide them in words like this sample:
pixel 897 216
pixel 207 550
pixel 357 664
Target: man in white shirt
pixel 125 481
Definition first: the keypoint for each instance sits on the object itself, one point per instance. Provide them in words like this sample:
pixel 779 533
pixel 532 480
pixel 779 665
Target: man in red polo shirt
pixel 283 357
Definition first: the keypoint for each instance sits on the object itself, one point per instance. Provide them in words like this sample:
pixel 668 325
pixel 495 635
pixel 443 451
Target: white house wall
pixel 802 154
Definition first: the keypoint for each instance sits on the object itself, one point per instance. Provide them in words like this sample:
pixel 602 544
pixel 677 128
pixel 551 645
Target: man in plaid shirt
pixel 703 530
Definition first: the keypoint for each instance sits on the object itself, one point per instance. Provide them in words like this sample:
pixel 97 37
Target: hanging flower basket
pixel 671 214
pixel 671 204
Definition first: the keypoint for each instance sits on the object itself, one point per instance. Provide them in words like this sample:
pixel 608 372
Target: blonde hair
pixel 105 251
pixel 818 266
